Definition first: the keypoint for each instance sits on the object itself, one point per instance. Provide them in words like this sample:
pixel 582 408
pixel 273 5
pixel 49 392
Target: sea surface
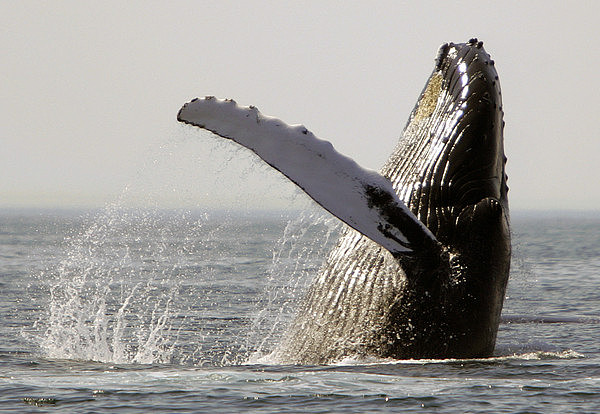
pixel 135 311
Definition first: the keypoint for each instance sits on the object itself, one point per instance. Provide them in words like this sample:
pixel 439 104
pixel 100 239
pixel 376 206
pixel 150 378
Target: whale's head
pixel 450 158
pixel 449 169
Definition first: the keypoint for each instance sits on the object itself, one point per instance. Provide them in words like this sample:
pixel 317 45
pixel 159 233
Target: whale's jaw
pixel 451 153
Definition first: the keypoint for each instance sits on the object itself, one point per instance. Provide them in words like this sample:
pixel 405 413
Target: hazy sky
pixel 90 92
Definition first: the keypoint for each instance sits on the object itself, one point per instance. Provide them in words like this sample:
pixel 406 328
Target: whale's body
pixel 422 271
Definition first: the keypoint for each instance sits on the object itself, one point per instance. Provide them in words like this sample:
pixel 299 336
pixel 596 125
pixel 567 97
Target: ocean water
pixel 134 311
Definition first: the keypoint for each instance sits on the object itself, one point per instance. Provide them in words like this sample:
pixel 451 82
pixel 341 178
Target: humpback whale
pixel 421 270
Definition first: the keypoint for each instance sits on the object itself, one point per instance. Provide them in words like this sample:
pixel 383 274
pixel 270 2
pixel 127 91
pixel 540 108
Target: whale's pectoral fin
pixel 361 198
pixel 485 230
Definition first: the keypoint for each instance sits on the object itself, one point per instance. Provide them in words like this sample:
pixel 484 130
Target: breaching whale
pixel 421 271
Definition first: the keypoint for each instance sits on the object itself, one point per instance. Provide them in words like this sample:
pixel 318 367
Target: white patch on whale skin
pixel 333 180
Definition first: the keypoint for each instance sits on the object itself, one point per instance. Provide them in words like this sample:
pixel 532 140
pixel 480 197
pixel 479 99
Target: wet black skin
pixel 444 299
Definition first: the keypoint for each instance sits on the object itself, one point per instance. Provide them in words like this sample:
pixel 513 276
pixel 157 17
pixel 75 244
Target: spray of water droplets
pixel 194 286
pixel 112 294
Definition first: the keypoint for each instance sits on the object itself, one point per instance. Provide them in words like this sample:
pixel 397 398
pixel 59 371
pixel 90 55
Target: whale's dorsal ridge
pixel 362 198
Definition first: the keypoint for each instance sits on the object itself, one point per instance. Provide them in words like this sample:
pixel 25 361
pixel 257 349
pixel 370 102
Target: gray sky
pixel 90 91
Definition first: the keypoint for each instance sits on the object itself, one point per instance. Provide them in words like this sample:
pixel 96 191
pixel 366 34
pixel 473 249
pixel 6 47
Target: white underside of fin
pixel 333 180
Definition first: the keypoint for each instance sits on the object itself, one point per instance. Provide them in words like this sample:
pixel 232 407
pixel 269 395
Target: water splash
pixel 111 296
pixel 144 286
pixel 148 286
pixel 297 258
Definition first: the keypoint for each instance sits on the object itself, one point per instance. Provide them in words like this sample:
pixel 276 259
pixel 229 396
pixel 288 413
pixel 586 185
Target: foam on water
pixel 371 360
